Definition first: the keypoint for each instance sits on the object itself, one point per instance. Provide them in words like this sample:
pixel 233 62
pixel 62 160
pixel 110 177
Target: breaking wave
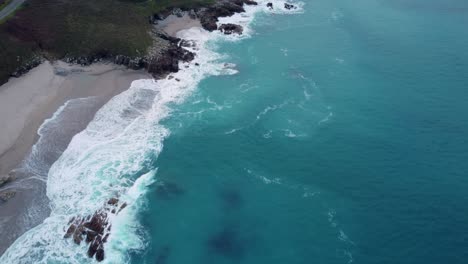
pixel 114 156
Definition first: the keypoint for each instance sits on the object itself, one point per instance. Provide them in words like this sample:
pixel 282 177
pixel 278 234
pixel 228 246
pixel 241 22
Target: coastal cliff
pixel 85 32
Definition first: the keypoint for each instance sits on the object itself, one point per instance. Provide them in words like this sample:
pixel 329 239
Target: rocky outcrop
pixel 94 229
pixel 229 29
pixel 7 195
pixel 224 8
pixel 168 60
pixel 289 6
pixel 34 62
pixel 163 58
pixel 270 5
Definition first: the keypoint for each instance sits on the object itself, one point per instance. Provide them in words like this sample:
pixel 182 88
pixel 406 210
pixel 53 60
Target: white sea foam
pixel 112 157
pixel 326 119
pixel 271 108
pixel 304 190
pixel 342 236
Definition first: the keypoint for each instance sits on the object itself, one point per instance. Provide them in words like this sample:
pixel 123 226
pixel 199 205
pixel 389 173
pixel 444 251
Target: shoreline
pixel 180 51
pixel 61 80
pixel 26 104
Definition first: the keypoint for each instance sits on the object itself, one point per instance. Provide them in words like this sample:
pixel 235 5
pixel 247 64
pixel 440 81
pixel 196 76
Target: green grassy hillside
pixel 56 29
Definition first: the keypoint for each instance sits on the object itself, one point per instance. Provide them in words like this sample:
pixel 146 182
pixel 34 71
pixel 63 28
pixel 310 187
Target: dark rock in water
pixel 154 18
pixel 100 254
pixel 163 59
pixel 242 2
pixel 96 245
pixel 113 201
pixel 222 8
pixel 197 64
pixel 289 6
pixel 169 60
pixel 187 43
pixel 169 190
pixel 227 243
pixel 270 5
pixel 231 199
pixel 209 22
pixel 250 2
pixel 163 255
pixel 7 195
pixel 228 29
pixel 94 229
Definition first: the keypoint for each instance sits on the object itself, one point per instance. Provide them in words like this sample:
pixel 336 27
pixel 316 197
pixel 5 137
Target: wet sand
pixel 25 103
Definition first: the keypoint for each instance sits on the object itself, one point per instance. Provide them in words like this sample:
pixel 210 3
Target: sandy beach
pixel 29 101
pixel 173 24
pixel 25 103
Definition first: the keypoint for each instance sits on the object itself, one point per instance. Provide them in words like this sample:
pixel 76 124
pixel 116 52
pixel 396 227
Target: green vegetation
pixel 57 29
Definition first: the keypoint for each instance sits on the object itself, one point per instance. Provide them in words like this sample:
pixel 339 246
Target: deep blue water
pixel 343 138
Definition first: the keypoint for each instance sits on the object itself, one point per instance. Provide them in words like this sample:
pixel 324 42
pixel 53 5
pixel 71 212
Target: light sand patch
pixel 173 24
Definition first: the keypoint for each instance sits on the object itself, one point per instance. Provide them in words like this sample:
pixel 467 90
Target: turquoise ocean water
pixel 342 138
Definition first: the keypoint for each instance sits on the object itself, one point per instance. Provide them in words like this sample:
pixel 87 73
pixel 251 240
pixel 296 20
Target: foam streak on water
pixel 113 156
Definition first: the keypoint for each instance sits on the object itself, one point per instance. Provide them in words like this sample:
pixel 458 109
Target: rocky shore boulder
pixel 270 5
pixel 168 60
pixel 163 58
pixel 229 29
pixel 246 2
pixel 289 6
pixel 94 229
pixel 223 8
pixel 7 195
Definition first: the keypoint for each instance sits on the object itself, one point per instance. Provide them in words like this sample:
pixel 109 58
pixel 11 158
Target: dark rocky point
pixel 289 6
pixel 187 43
pixel 229 29
pixel 270 5
pixel 223 8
